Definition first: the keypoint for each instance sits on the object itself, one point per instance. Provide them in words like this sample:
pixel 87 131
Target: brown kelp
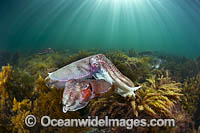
pixel 43 64
pixel 191 90
pixel 181 68
pixel 190 103
pixel 166 92
pixel 158 98
pixel 47 102
pixel 158 95
pixel 114 106
pixel 11 58
pixel 13 86
pixel 6 104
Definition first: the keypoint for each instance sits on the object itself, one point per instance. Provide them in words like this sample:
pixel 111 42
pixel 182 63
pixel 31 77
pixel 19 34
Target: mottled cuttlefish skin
pixel 78 93
pixel 76 70
pixel 103 68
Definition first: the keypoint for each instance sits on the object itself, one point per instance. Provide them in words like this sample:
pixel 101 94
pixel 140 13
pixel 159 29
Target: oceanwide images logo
pixel 46 121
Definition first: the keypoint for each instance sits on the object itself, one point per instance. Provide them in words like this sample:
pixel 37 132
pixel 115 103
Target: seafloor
pixel 170 89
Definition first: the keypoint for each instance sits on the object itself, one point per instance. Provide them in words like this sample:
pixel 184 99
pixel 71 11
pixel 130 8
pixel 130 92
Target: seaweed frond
pixel 158 96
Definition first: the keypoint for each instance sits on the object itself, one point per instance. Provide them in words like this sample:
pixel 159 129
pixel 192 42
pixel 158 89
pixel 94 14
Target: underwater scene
pixel 120 65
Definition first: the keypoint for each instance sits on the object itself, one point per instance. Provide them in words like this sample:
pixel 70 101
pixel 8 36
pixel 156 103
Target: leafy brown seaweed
pixel 23 91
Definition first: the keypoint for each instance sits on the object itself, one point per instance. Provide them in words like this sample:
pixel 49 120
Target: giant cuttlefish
pixel 97 66
pixel 77 93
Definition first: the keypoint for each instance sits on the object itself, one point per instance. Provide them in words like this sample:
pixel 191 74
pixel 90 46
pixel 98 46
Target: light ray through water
pixel 120 24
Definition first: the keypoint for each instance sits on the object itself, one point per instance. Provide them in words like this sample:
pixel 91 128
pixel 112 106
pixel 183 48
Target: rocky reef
pixel 170 91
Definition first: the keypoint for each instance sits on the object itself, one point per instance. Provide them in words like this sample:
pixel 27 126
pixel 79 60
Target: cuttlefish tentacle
pixel 104 69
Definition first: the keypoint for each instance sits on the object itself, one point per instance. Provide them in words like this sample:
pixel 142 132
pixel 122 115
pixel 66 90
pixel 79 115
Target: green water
pixel 169 26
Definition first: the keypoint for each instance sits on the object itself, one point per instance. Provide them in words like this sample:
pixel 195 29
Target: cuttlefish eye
pixel 86 86
pixel 96 64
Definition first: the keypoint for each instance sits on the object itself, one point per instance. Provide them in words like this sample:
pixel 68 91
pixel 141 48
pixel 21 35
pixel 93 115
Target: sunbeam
pixel 142 24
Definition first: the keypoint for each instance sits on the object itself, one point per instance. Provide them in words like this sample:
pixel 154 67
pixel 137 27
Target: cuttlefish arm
pixel 76 70
pixel 77 93
pixel 103 68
